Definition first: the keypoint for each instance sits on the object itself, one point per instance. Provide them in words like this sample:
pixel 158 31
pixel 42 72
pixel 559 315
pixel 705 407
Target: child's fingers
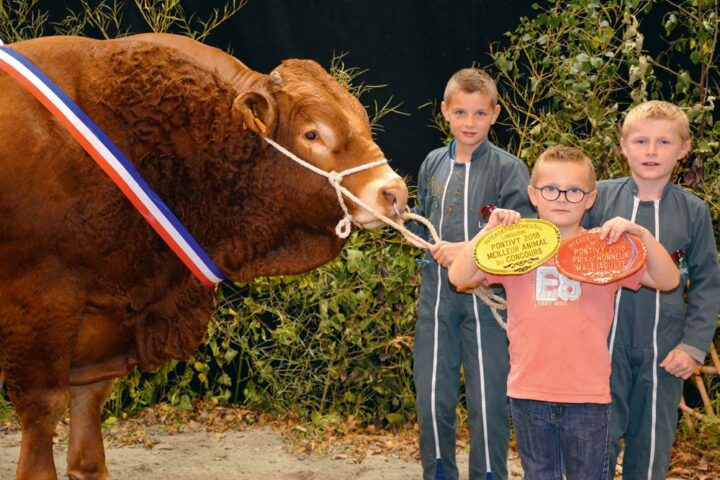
pixel 603 231
pixel 504 217
pixel 513 218
pixel 614 233
pixel 606 231
pixel 613 229
pixel 679 364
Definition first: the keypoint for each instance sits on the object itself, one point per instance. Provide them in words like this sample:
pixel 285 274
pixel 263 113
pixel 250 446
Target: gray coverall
pixel 455 329
pixel 649 324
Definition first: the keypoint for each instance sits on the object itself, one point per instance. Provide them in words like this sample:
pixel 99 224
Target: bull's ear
pixel 258 112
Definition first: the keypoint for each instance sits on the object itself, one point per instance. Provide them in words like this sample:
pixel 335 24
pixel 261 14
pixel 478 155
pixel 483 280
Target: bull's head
pixel 326 126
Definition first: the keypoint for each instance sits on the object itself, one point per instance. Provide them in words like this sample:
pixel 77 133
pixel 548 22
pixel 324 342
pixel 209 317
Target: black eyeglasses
pixel 552 193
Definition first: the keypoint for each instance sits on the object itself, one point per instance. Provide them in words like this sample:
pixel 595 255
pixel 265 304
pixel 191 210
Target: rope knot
pixel 344 226
pixel 335 178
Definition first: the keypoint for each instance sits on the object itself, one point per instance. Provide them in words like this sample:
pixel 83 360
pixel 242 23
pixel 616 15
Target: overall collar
pixel 479 150
pixel 635 189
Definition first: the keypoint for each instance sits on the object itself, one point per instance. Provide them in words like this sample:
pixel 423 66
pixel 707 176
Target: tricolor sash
pixel 99 146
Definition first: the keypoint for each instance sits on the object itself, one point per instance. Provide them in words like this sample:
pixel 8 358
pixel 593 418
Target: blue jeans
pixel 553 438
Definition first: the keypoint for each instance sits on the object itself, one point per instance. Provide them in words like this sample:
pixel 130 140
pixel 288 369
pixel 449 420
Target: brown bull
pixel 87 289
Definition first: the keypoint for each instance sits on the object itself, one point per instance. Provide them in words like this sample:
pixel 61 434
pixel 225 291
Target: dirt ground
pixel 164 443
pixel 258 452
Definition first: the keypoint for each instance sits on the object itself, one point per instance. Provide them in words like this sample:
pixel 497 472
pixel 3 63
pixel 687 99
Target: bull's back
pixel 37 158
pixel 212 59
pixel 36 146
pixel 54 199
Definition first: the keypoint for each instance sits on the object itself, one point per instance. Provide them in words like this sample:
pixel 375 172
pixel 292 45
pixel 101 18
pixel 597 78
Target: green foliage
pixel 169 15
pixel 336 341
pixel 705 434
pixel 19 20
pixel 104 18
pixel 7 412
pixel 22 19
pixel 569 73
pixel 438 122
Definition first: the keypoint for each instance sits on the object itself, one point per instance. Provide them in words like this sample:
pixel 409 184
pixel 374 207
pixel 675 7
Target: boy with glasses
pixel 559 381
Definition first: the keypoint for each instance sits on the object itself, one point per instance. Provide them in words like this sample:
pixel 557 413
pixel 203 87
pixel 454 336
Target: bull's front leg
pixel 86 455
pixel 39 410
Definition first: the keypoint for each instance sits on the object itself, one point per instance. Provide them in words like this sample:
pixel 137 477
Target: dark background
pixel 412 46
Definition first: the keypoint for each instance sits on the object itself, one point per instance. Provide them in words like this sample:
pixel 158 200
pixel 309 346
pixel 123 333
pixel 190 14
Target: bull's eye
pixel 311 135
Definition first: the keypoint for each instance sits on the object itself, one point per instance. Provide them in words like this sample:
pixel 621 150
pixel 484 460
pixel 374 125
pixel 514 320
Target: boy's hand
pixel 445 253
pixel 615 227
pixel 661 273
pixel 502 216
pixel 679 364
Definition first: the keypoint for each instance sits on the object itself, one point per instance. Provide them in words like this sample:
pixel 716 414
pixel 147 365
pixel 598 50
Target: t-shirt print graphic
pixel 552 286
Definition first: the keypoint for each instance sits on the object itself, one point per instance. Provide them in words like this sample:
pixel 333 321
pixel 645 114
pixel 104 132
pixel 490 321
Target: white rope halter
pixel 343 228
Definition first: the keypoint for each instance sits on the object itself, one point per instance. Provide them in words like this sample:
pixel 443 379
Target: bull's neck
pixel 246 205
pixel 247 79
pixel 221 177
pixel 193 156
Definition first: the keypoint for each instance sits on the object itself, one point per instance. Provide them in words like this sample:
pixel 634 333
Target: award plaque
pixel 586 258
pixel 517 248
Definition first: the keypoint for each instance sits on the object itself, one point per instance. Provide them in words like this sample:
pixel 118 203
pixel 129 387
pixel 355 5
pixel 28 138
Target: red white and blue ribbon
pixel 99 146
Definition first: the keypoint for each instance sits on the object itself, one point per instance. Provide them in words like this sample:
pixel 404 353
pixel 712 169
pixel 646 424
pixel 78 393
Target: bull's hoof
pixel 89 476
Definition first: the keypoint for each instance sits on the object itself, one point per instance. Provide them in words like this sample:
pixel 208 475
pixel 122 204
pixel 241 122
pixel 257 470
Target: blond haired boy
pixel 559 381
pixel 454 330
pixel 658 339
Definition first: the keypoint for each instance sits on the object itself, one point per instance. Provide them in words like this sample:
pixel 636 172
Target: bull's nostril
pixel 394 197
pixel 397 204
pixel 397 212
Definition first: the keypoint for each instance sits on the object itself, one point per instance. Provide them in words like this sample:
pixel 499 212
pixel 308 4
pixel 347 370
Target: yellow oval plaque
pixel 518 248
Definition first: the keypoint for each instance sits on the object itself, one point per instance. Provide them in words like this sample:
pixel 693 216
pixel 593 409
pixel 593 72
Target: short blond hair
pixel 658 109
pixel 471 80
pixel 564 154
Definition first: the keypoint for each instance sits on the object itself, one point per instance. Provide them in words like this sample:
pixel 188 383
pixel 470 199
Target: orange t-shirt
pixel 558 332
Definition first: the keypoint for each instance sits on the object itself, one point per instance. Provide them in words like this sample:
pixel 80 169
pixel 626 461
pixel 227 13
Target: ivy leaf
pixel 354 259
pixel 395 418
pixel 670 23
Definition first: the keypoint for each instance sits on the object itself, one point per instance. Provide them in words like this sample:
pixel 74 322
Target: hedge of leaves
pixel 570 72
pixel 338 341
